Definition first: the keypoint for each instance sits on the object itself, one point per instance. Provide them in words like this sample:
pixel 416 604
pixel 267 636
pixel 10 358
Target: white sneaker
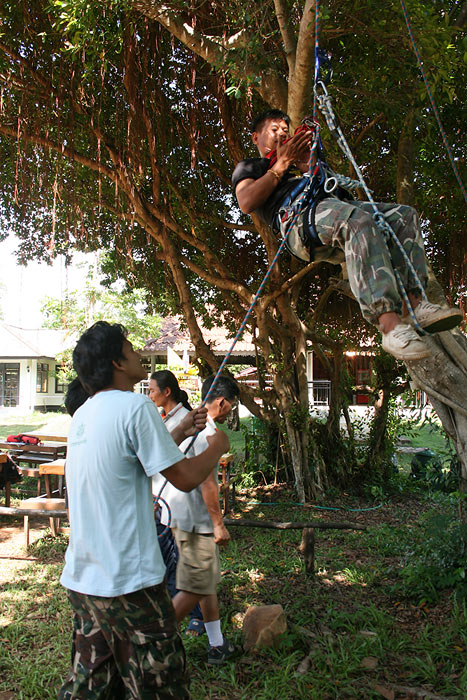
pixel 404 344
pixel 434 318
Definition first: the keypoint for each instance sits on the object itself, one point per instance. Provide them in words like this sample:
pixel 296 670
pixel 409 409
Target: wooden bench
pixel 48 438
pixel 52 508
pixel 32 472
pixel 55 468
pixel 307 546
pixel 30 457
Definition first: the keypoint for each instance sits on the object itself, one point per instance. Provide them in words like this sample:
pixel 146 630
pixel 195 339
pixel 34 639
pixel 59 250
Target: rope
pixel 157 500
pixel 315 101
pixel 385 229
pixel 308 505
pixel 433 104
pixel 266 276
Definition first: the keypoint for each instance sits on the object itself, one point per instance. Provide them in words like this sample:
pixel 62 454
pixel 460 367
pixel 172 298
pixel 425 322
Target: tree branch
pixel 272 88
pixel 61 149
pixel 299 87
pixel 288 36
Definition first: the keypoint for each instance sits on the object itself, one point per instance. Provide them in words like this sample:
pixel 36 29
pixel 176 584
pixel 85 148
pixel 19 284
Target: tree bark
pixel 444 375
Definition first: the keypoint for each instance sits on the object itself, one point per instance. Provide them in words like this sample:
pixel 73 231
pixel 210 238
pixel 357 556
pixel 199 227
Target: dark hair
pixel 167 380
pixel 225 387
pixel 259 121
pixel 75 396
pixel 94 353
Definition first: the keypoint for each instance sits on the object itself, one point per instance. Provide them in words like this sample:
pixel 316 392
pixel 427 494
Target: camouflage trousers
pixel 370 262
pixel 126 647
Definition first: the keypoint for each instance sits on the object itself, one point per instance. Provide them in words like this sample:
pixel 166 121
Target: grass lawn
pixel 54 422
pixel 353 630
pixel 367 626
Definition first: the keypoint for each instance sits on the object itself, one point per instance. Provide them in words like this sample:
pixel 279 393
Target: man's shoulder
pixel 114 403
pixel 249 168
pixel 202 440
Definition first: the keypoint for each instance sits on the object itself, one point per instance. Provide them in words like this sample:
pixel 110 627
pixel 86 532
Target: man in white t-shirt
pixel 126 639
pixel 199 529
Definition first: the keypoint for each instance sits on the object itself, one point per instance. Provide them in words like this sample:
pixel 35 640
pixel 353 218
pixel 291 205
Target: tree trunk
pixel 444 375
pixel 444 378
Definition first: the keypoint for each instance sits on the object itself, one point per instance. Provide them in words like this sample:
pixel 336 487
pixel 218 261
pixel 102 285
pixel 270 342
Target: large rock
pixel 263 625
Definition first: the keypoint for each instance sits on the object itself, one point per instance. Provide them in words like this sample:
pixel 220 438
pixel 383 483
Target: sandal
pixel 195 628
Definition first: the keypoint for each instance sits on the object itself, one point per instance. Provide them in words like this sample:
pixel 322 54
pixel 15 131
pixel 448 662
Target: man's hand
pixel 194 421
pixel 221 535
pixel 295 150
pixel 220 440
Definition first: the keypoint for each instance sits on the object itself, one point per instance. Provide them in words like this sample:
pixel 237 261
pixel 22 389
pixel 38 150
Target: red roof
pixel 171 336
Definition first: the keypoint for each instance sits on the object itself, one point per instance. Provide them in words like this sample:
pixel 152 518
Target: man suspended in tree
pixel 267 185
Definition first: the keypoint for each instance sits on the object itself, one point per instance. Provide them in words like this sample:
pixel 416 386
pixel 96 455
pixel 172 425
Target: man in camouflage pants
pixel 126 642
pixel 262 187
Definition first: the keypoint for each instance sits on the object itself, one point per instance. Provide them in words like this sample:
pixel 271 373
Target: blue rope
pixel 308 505
pixel 266 276
pixel 157 502
pixel 433 104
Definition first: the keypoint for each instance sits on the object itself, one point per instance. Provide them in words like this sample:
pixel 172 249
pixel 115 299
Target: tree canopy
pixel 121 122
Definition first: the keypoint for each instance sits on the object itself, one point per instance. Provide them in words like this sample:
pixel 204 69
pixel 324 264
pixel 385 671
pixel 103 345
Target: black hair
pixel 258 121
pixel 75 396
pixel 167 380
pixel 225 387
pixel 95 352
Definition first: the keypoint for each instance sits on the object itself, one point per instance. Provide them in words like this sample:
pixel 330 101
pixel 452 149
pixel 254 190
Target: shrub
pixel 438 561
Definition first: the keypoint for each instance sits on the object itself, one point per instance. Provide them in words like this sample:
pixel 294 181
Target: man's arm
pixel 210 492
pixel 189 473
pixel 251 194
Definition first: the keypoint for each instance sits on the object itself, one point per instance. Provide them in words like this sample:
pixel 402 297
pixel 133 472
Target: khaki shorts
pixel 198 567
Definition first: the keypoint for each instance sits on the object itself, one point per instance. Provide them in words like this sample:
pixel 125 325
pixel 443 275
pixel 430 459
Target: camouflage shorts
pixel 370 263
pixel 126 647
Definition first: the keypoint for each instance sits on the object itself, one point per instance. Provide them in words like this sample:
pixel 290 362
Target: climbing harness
pixel 300 204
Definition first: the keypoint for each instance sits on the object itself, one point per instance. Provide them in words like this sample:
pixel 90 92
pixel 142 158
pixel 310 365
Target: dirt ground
pixel 13 554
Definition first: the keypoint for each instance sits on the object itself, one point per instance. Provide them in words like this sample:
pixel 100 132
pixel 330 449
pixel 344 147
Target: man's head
pixel 269 130
pixel 103 358
pixel 76 395
pixel 222 398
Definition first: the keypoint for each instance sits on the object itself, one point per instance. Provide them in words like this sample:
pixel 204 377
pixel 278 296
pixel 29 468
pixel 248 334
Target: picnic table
pixel 47 437
pixel 29 457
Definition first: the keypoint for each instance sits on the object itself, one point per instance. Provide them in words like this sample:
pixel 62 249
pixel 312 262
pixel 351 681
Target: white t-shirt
pixel 171 420
pixel 189 511
pixel 116 442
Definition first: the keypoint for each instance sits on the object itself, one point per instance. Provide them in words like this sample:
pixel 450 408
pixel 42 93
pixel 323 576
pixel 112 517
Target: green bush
pixel 260 443
pixel 438 560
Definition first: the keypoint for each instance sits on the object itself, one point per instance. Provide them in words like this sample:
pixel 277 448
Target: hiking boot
pixel 219 655
pixel 434 318
pixel 404 344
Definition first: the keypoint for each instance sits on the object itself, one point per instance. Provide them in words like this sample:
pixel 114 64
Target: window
pixel 42 382
pixel 9 384
pixel 60 384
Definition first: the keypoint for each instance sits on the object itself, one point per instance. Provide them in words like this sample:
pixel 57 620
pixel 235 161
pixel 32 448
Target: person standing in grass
pixel 199 529
pixel 127 642
pixel 172 401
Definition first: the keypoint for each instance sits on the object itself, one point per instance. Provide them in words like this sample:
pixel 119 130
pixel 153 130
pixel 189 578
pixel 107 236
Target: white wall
pixel 50 398
pixel 28 397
